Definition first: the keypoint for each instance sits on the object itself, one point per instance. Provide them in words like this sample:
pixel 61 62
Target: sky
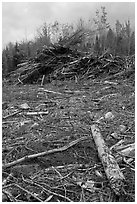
pixel 20 20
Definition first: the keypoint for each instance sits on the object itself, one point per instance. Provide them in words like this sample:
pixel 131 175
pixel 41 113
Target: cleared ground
pixel 70 110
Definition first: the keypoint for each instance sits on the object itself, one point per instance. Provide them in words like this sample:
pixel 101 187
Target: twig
pixel 42 81
pixel 107 96
pixel 69 166
pixel 48 91
pixel 8 196
pixel 8 155
pixel 4 182
pixel 13 114
pixel 28 192
pixel 36 113
pixel 10 177
pixel 7 186
pixel 49 198
pixel 82 196
pixel 28 157
pixel 61 179
pixel 14 121
pixel 20 81
pixel 47 190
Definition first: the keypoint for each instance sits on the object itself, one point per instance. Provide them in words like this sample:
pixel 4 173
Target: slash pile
pixel 61 62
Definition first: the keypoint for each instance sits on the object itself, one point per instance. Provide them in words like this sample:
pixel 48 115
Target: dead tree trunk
pixel 112 170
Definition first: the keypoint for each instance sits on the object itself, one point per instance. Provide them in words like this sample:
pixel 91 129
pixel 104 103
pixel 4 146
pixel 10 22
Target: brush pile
pixel 61 62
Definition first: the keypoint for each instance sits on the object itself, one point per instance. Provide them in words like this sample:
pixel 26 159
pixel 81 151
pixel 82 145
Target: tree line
pixel 97 37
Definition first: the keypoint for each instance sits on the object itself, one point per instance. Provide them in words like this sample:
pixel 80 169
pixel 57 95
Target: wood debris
pixel 48 151
pixel 113 173
pixel 61 62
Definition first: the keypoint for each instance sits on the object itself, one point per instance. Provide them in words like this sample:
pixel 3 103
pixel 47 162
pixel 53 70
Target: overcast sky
pixel 20 20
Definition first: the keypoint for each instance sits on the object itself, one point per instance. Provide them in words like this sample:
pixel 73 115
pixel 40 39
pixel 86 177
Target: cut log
pixel 112 170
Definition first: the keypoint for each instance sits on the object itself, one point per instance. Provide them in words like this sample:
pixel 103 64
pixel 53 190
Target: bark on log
pixel 112 170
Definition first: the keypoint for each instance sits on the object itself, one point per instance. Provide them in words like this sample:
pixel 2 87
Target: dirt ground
pixel 69 111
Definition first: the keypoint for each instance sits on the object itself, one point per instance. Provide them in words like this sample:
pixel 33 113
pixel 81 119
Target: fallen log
pixel 112 170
